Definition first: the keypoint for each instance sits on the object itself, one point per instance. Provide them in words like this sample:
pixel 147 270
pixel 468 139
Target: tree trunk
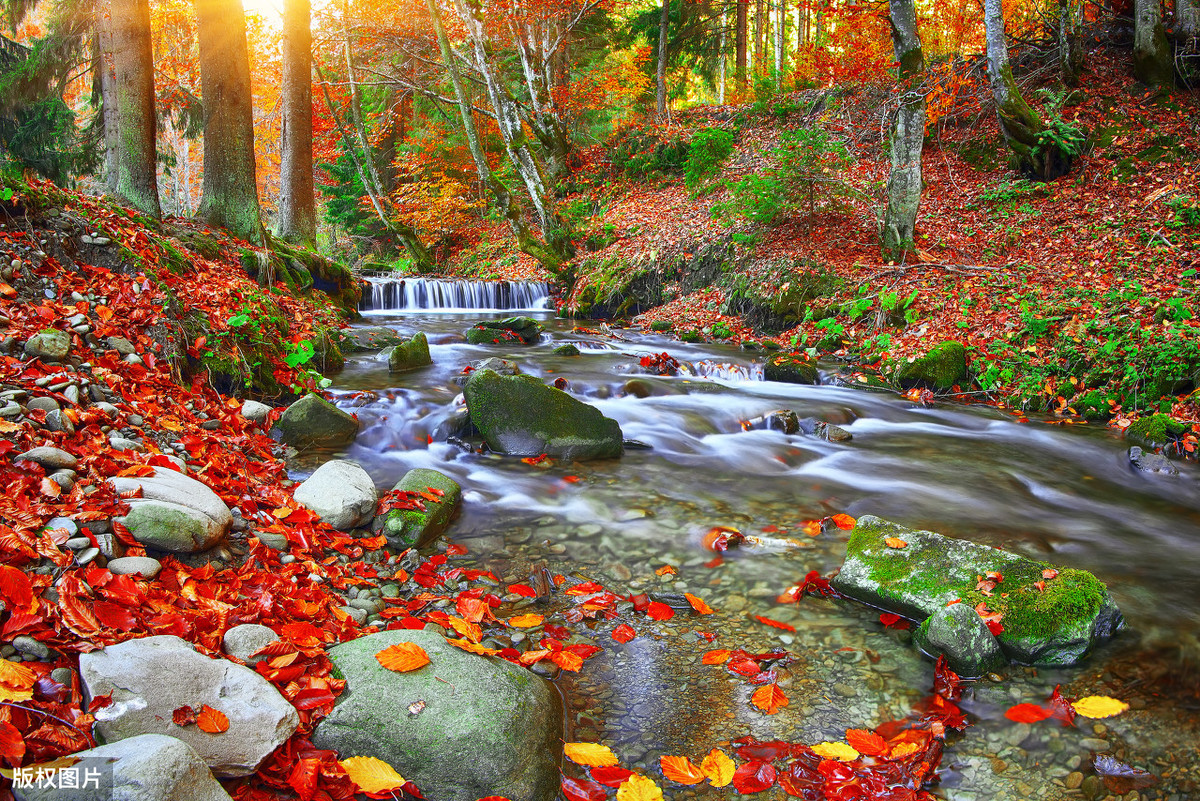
pixel 1019 123
pixel 1153 62
pixel 137 176
pixel 230 189
pixel 907 135
pixel 1187 22
pixel 1070 46
pixel 108 97
pixel 780 25
pixel 297 220
pixel 742 41
pixel 721 58
pixel 759 55
pixel 661 73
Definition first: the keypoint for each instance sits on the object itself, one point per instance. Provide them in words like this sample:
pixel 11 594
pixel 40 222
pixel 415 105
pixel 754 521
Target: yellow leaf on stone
pixel 590 755
pixel 1099 706
pixel 372 775
pixel 718 768
pixel 839 751
pixel 639 788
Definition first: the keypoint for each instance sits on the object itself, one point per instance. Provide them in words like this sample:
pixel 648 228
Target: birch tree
pixel 907 136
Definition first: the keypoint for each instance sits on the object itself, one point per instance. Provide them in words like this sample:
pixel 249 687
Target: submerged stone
pixel 960 633
pixel 1056 623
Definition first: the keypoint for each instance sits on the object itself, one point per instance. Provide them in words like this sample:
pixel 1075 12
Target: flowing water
pixel 1062 494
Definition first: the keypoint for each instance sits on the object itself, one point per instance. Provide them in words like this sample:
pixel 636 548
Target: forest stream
pixel 1064 494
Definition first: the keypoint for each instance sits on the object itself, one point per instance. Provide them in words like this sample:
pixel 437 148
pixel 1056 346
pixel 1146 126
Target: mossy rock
pixel 520 415
pixel 313 422
pixel 941 368
pixel 416 528
pixel 524 330
pixel 566 350
pixel 1155 431
pixel 410 354
pixel 791 368
pixel 691 337
pixel 369 338
pixel 960 633
pixel 1057 625
pixel 661 325
pixel 1093 405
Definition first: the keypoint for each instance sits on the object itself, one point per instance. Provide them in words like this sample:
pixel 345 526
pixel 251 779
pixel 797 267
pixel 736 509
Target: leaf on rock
pixel 718 767
pixel 473 647
pixel 839 751
pixel 403 657
pixel 372 775
pixel 639 788
pixel 895 542
pixel 212 720
pixel 467 629
pixel 1099 706
pixel 681 770
pixel 769 698
pixel 590 754
pixel 1027 713
pixel 700 607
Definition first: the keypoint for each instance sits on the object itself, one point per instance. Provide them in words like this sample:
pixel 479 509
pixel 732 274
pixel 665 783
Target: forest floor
pixel 1075 297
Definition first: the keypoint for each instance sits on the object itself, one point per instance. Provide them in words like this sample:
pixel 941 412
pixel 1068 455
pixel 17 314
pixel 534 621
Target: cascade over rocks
pixel 917 573
pixel 487 724
pixel 150 678
pixel 313 422
pixel 175 512
pixel 521 416
pixel 341 492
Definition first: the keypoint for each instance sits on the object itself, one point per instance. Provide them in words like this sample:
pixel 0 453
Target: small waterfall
pixel 439 294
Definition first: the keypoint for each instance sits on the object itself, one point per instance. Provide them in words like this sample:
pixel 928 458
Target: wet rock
pixel 313 422
pixel 784 420
pixel 142 566
pixel 151 677
pixel 960 633
pixel 523 330
pixel 408 528
pixel 1057 625
pixel 247 639
pixel 175 512
pixel 150 767
pixel 341 492
pixel 49 457
pixel 456 426
pixel 31 647
pixel 941 368
pixel 520 415
pixel 1153 463
pixel 567 349
pixel 49 345
pixel 45 404
pixel 1155 430
pixel 791 368
pixel 410 354
pixel 369 338
pixel 823 430
pixel 487 725
pixel 498 366
pixel 121 345
pixel 255 412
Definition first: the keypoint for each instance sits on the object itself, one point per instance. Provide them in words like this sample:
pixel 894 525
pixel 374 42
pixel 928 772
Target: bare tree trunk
pixel 1019 123
pixel 230 188
pixel 742 36
pixel 721 58
pixel 1153 62
pixel 1070 47
pixel 297 219
pixel 108 97
pixel 661 73
pixel 137 181
pixel 759 55
pixel 907 136
pixel 781 15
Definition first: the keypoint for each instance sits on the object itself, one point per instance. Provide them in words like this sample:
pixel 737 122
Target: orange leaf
pixel 526 621
pixel 212 720
pixel 844 522
pixel 104 313
pixel 471 631
pixel 373 776
pixel 474 648
pixel 16 681
pixel 769 698
pixel 866 742
pixel 718 768
pixel 639 788
pixel 7 291
pixel 680 769
pixel 779 624
pixel 895 542
pixel 717 657
pixel 697 604
pixel 665 570
pixel 590 755
pixel 403 657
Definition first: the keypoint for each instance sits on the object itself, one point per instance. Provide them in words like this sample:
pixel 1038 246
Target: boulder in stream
pixel 784 420
pixel 941 368
pixel 410 354
pixel 1153 463
pixel 485 726
pixel 341 492
pixel 791 368
pixel 520 415
pixel 959 632
pixel 313 422
pixel 1050 616
pixel 416 527
pixel 369 338
pixel 524 330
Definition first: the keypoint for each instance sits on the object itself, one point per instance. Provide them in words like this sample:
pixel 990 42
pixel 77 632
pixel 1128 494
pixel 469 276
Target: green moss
pixel 1155 430
pixel 691 337
pixel 941 368
pixel 661 325
pixel 1093 405
pixel 791 368
pixel 1072 595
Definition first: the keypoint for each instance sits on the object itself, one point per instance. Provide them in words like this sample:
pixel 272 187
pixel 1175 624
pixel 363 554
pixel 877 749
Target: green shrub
pixel 661 325
pixel 709 149
pixel 645 153
pixel 721 331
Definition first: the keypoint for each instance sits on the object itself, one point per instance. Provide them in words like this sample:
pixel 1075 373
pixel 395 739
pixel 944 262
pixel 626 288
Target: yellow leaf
pixel 590 755
pixel 466 628
pixel 372 775
pixel 639 788
pixel 16 681
pixel 526 621
pixel 1099 706
pixel 7 427
pixel 680 770
pixel 903 749
pixel 838 751
pixel 718 768
pixel 403 657
pixel 895 542
pixel 473 647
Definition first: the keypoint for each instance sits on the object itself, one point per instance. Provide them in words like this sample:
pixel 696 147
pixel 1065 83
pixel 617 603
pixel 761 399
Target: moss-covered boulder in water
pixel 960 633
pixel 368 338
pixel 525 330
pixel 313 422
pixel 415 528
pixel 791 368
pixel 941 368
pixel 410 354
pixel 1155 431
pixel 1056 623
pixel 520 415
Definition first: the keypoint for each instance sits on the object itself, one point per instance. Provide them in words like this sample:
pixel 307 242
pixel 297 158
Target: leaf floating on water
pixel 844 522
pixel 839 751
pixel 526 621
pixel 639 788
pixel 778 624
pixel 1027 713
pixel 895 542
pixel 583 790
pixel 717 657
pixel 1120 778
pixel 611 775
pixel 769 698
pixel 754 777
pixel 1099 706
pixel 666 570
pixel 403 657
pixel 681 770
pixel 659 611
pixel 590 754
pixel 372 775
pixel 718 767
